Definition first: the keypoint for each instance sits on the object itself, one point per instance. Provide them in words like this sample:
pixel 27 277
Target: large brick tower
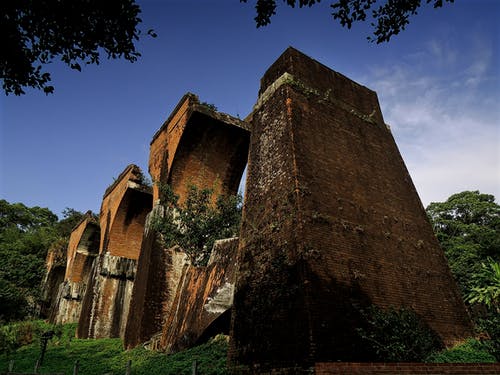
pixel 332 223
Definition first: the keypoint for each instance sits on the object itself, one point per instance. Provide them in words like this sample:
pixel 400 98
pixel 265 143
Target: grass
pixel 106 356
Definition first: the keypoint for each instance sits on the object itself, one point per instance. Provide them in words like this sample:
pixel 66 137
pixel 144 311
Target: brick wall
pixel 158 273
pixel 332 224
pixel 406 368
pixel 123 213
pixel 55 264
pixel 105 305
pixel 196 145
pixel 106 302
pixel 125 235
pixel 81 251
pixel 165 142
pixel 199 146
pixel 203 299
pixel 83 246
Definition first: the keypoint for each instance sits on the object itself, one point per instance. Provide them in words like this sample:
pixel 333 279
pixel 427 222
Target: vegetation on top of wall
pixel 144 179
pixel 196 224
pixel 209 106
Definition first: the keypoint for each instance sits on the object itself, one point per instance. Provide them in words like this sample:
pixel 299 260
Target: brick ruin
pixel 331 224
pixel 55 269
pixel 123 213
pixel 196 145
pixel 82 249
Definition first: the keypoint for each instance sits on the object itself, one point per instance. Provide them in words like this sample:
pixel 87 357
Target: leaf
pixel 76 66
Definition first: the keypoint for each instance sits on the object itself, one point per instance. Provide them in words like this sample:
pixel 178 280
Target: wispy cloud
pixel 445 118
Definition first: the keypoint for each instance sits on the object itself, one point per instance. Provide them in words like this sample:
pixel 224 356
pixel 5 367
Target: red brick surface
pixel 332 224
pixel 196 145
pixel 199 146
pixel 406 368
pixel 197 308
pixel 82 247
pixel 123 213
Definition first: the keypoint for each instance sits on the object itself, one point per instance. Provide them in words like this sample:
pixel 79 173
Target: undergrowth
pixel 471 351
pixel 106 356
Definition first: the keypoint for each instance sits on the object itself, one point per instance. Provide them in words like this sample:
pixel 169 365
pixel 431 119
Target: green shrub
pixel 397 335
pixel 196 224
pixel 490 324
pixel 102 356
pixel 471 351
pixel 16 335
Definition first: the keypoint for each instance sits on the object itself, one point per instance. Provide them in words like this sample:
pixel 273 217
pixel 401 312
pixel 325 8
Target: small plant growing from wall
pixel 209 106
pixel 197 223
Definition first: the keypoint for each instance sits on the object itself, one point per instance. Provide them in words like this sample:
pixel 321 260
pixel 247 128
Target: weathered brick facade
pixel 123 213
pixel 406 368
pixel 199 146
pixel 158 273
pixel 201 308
pixel 332 223
pixel 82 249
pixel 55 268
pixel 196 145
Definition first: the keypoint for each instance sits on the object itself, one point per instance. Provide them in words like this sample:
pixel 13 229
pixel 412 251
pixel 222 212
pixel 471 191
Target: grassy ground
pixel 106 356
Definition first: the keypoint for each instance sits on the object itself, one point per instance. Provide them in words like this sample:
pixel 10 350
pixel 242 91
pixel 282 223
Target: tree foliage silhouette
pixel 389 17
pixel 37 32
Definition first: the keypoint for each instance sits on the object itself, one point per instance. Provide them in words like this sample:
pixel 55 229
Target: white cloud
pixel 444 119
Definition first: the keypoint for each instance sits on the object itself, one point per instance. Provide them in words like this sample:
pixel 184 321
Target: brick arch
pixel 198 145
pixel 210 154
pixel 125 233
pixel 123 213
pixel 82 248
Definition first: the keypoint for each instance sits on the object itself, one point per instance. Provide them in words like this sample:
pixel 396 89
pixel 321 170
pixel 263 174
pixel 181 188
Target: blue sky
pixel 438 84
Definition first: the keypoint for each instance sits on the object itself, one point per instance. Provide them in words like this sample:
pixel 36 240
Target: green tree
pixel 487 289
pixel 198 223
pixel 467 225
pixel 71 218
pixel 397 335
pixel 26 233
pixel 36 32
pixel 389 17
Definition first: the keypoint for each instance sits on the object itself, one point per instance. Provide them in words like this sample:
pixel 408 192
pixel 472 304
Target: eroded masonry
pixel 332 224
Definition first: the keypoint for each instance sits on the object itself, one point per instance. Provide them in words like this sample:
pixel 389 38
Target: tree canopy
pixel 77 32
pixel 467 226
pixel 36 32
pixel 26 233
pixel 389 17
